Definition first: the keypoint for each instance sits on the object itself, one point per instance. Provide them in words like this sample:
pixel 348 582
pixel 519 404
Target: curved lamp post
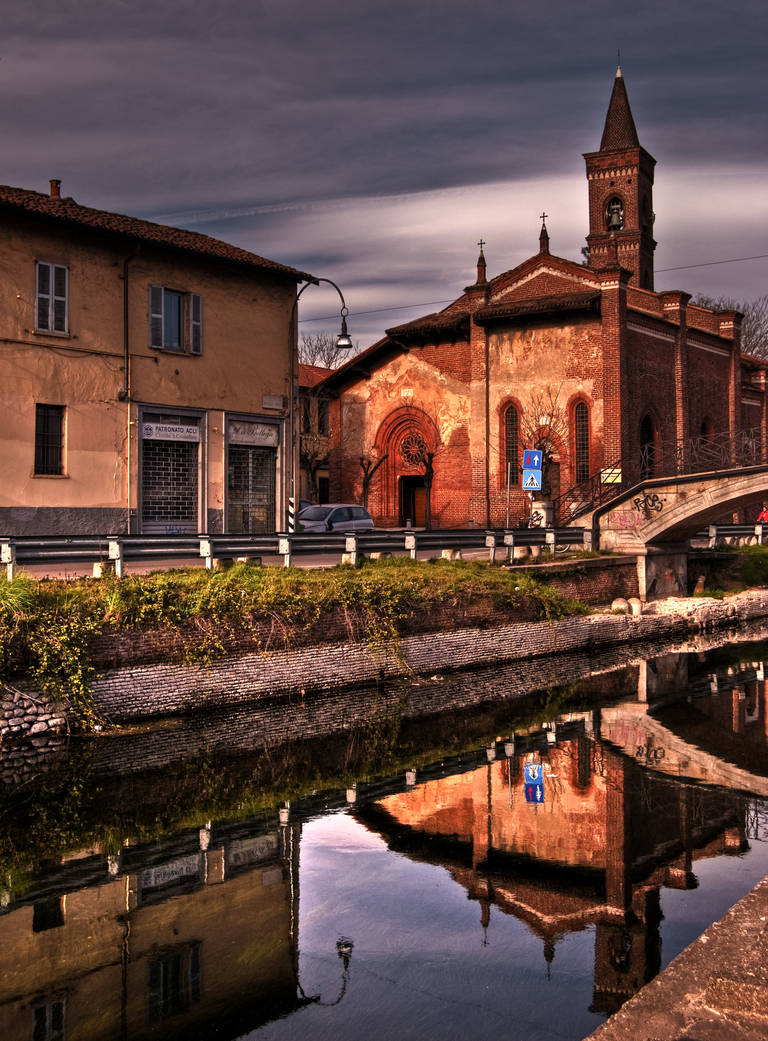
pixel 343 342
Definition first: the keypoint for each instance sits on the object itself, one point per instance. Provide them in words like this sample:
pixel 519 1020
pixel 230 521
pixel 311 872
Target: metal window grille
pixel 49 439
pixel 511 443
pixel 581 425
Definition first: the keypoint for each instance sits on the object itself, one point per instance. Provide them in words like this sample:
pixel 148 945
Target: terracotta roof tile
pixel 311 375
pixel 66 210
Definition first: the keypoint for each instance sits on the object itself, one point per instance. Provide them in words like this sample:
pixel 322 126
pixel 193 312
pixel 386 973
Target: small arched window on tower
pixel 511 445
pixel 581 441
pixel 614 214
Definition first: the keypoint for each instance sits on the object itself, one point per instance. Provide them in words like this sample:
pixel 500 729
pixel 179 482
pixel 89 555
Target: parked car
pixel 334 517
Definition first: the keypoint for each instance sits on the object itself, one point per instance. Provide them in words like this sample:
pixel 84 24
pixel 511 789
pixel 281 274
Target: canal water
pixel 516 867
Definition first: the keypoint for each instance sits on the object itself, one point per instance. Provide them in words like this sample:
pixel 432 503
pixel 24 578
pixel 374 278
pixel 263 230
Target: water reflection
pixel 531 884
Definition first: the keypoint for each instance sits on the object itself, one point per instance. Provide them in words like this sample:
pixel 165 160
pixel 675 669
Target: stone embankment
pixel 23 714
pixel 135 693
pixel 715 990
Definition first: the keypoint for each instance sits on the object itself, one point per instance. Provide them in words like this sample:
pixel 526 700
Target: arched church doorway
pixel 408 438
pixel 413 501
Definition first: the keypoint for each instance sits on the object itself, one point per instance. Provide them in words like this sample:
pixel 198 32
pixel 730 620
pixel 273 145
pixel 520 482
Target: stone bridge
pixel 667 510
pixel 655 519
pixel 649 742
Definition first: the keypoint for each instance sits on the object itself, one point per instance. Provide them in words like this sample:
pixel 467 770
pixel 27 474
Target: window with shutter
pixel 51 291
pixel 195 323
pixel 175 320
pixel 156 294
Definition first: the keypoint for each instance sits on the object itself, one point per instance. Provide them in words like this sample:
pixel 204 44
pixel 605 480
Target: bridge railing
pixel 727 450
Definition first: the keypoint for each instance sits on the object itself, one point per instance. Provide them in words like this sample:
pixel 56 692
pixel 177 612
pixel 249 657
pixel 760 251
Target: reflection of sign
pixel 251 851
pixel 532 459
pixel 532 480
pixel 533 777
pixel 165 874
pixel 169 432
pixel 244 433
pixel 533 773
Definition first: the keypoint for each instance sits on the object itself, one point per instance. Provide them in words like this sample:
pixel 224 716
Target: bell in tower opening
pixel 614 214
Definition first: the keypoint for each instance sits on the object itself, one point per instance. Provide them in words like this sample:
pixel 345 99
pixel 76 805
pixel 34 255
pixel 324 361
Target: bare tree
pixel 369 466
pixel 320 349
pixel 754 330
pixel 544 424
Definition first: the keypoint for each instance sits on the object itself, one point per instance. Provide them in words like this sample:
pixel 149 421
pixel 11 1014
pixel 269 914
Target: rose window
pixel 413 449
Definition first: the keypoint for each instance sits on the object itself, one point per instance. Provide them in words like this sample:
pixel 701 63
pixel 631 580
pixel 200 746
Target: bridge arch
pixel 672 509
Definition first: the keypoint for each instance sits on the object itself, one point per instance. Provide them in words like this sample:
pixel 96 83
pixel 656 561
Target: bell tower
pixel 620 180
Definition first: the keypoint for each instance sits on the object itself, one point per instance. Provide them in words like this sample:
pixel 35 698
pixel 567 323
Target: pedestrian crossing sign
pixel 532 480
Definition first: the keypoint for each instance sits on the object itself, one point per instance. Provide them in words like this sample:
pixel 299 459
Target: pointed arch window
pixel 581 438
pixel 511 445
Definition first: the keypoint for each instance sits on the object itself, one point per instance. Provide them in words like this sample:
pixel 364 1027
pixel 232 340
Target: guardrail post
pixel 284 549
pixel 350 549
pixel 490 541
pixel 410 543
pixel 116 554
pixel 8 557
pixel 206 550
pixel 509 542
pixel 759 533
pixel 550 537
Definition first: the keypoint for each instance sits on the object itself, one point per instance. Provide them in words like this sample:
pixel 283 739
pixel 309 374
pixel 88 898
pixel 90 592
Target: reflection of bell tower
pixel 620 178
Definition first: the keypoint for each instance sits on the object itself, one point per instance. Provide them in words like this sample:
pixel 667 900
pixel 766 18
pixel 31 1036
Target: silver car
pixel 334 517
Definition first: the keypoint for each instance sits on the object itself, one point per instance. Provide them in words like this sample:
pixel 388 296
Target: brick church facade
pixel 587 361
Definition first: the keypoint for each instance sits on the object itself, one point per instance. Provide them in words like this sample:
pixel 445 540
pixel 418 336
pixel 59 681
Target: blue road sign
pixel 532 458
pixel 534 793
pixel 532 480
pixel 533 773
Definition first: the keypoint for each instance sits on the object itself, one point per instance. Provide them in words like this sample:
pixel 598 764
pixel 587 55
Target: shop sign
pixel 244 433
pixel 169 432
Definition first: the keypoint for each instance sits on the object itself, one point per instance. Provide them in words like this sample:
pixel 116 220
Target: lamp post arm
pixel 294 347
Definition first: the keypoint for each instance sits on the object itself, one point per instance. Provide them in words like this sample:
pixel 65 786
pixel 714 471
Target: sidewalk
pixel 716 990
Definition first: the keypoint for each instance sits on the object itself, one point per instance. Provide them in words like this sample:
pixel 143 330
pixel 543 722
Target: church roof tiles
pixel 619 131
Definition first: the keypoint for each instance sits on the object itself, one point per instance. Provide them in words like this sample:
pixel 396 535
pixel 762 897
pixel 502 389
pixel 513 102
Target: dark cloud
pixel 284 126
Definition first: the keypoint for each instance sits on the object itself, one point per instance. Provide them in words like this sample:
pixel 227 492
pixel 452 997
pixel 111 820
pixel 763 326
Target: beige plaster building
pixel 145 375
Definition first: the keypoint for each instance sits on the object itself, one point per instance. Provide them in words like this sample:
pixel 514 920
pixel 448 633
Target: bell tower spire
pixel 620 181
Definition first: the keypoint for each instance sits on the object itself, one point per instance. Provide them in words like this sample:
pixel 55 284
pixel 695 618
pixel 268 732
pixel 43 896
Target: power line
pixel 378 310
pixel 713 263
pixel 433 303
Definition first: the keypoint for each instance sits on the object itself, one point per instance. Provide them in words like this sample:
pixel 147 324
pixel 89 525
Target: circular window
pixel 413 449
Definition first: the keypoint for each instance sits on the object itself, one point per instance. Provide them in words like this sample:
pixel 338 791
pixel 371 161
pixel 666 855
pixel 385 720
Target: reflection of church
pixel 607 835
pixel 587 361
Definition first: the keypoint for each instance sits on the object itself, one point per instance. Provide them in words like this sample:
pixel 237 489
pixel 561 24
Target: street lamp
pixel 343 342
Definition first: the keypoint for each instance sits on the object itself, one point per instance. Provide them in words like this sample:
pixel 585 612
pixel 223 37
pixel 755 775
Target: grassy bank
pixel 47 627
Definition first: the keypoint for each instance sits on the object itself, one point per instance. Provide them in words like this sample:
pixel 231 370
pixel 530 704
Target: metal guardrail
pixel 116 551
pixel 735 535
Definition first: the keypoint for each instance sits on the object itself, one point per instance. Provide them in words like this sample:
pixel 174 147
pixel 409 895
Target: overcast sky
pixel 374 143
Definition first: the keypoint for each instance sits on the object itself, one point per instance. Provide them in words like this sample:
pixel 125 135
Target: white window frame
pixel 50 298
pixel 192 321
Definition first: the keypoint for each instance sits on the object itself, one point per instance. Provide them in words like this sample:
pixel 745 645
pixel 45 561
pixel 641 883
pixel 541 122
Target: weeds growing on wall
pixel 46 627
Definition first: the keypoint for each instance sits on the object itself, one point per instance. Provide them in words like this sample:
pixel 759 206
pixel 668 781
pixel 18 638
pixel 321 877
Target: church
pixel 584 361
